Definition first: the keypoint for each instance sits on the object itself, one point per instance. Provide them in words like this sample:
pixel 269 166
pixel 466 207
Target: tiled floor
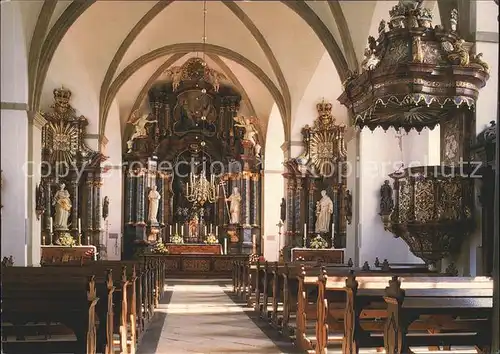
pixel 198 316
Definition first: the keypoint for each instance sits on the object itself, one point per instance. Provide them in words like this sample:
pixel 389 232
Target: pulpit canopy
pixel 413 73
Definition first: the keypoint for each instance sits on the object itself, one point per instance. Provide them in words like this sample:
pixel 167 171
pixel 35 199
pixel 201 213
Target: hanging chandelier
pixel 199 190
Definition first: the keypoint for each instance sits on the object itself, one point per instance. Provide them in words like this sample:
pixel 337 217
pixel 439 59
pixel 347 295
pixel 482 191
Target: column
pixel 246 197
pixel 73 192
pixel 299 215
pixel 255 205
pixel 97 209
pixel 34 239
pixel 129 197
pixel 290 205
pixel 140 198
pixel 311 207
pixel 89 222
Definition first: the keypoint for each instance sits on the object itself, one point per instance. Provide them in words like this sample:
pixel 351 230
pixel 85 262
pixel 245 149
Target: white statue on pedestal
pixel 234 210
pixel 324 210
pixel 62 204
pixel 154 199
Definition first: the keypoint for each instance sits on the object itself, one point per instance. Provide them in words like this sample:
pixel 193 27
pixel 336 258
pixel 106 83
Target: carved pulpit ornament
pixel 413 73
pixel 415 76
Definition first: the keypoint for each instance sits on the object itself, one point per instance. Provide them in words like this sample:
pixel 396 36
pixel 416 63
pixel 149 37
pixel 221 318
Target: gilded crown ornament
pixel 413 73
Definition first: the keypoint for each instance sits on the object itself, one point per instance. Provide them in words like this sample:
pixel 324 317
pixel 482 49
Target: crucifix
pixel 399 137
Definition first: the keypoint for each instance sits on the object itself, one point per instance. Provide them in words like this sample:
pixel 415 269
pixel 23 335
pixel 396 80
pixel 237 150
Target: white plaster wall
pixel 68 70
pixel 325 83
pixel 112 184
pixel 14 186
pixel 14 64
pixel 273 186
pixel 379 156
pixel 14 130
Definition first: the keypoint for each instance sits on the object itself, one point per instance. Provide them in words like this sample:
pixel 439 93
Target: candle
pixel 88 240
pixel 176 228
pixel 51 225
pixel 170 230
pixel 333 233
pixel 43 239
pixel 206 230
pixel 217 230
pixel 225 245
pixel 254 242
pixel 182 230
pixel 79 225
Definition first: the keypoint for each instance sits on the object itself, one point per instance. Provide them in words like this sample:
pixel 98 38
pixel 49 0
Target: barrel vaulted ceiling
pixel 268 49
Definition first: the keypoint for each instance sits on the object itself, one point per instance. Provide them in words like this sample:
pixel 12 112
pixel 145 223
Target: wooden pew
pixel 105 288
pixel 140 293
pixel 71 302
pixel 363 298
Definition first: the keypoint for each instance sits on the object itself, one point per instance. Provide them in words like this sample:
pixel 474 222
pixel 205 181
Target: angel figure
pixel 175 74
pixel 459 55
pixel 140 124
pixel 250 130
pixel 216 77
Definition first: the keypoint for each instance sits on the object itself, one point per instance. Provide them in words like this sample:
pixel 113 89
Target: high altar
pixel 192 168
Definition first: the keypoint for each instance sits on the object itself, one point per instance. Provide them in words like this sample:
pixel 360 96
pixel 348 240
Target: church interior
pixel 249 176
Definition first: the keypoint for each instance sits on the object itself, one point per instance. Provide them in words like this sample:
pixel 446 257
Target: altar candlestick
pixel 176 228
pixel 51 225
pixel 225 245
pixel 182 230
pixel 88 240
pixel 79 226
pixel 206 230
pixel 43 240
pixel 254 242
pixel 333 233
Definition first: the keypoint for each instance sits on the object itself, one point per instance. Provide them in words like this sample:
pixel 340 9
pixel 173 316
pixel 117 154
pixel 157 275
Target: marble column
pixel 73 192
pixel 311 207
pixel 97 210
pixel 255 207
pixel 129 197
pixel 246 198
pixel 34 239
pixel 140 197
pixel 89 215
pixel 290 217
pixel 299 212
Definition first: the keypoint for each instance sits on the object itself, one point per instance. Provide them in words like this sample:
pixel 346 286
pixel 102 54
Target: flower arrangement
pixel 66 240
pixel 159 248
pixel 177 239
pixel 318 243
pixel 211 240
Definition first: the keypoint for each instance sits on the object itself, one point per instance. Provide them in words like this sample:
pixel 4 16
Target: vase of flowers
pixel 66 240
pixel 159 248
pixel 211 240
pixel 177 239
pixel 318 243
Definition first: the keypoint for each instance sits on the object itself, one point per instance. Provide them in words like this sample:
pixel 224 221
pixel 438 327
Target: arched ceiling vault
pixel 193 47
pixel 279 74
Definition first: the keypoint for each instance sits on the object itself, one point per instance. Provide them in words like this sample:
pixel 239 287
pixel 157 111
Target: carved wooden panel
pixel 196 265
pixel 194 249
pixel 321 255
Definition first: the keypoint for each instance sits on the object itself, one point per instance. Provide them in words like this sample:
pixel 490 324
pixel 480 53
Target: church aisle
pixel 197 316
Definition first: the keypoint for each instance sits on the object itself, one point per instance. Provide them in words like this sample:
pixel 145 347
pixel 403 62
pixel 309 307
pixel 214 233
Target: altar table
pixel 194 248
pixel 326 255
pixel 67 253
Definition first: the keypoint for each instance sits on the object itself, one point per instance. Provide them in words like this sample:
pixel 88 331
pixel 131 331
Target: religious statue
pixel 324 210
pixel 140 127
pixel 105 207
pixel 175 74
pixel 386 201
pixel 234 210
pixel 154 199
pixel 250 130
pixel 62 205
pixel 348 206
pixel 283 209
pixel 193 226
